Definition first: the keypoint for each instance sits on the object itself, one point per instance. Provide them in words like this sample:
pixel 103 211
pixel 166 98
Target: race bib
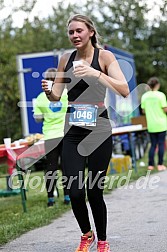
pixel 83 114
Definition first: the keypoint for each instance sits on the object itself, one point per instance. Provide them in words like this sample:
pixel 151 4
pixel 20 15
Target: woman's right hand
pixel 45 87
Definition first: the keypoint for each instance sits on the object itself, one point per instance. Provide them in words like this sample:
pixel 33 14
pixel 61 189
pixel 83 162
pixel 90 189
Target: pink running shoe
pixel 161 168
pixel 150 167
pixel 86 243
pixel 103 246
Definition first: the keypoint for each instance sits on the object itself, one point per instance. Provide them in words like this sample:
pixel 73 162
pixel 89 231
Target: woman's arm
pixel 112 76
pixel 58 86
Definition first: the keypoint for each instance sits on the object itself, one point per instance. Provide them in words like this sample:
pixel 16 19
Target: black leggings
pixel 74 165
pixel 53 149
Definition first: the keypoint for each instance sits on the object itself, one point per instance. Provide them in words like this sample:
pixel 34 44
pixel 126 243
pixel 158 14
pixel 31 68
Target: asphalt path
pixel 137 222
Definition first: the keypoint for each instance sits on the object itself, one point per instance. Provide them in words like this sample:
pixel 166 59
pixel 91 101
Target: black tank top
pixel 88 90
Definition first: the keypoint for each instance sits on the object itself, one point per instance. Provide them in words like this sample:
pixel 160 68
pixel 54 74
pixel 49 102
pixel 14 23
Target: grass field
pixel 14 222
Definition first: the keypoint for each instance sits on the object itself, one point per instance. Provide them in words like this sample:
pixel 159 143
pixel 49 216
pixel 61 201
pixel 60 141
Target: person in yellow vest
pixel 154 105
pixel 53 118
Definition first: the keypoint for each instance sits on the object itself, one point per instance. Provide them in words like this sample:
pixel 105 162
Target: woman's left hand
pixel 81 71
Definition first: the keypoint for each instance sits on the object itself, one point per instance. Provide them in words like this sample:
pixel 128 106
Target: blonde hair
pixel 90 25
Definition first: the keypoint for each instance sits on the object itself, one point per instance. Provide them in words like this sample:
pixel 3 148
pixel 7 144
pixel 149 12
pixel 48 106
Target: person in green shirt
pixel 154 105
pixel 53 131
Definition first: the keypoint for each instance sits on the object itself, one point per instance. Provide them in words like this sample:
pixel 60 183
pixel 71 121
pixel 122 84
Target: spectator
pixel 154 106
pixel 53 130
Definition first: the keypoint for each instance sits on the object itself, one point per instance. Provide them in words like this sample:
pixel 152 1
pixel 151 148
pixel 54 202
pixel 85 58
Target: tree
pixel 120 23
pixel 41 35
pixel 158 51
pixel 9 112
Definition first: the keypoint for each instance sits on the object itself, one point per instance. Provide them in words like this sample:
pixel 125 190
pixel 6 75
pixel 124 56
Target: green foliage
pixel 158 51
pixel 9 112
pixel 120 23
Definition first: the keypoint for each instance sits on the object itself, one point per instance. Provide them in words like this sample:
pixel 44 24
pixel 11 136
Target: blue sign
pixel 127 65
pixel 31 69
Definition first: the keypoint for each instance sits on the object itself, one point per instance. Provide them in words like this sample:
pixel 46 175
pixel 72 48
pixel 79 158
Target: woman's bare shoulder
pixel 65 57
pixel 106 55
pixel 105 59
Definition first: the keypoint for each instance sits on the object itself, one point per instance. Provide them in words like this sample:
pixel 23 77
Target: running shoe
pixel 150 167
pixel 66 199
pixel 86 243
pixel 103 246
pixel 161 168
pixel 51 202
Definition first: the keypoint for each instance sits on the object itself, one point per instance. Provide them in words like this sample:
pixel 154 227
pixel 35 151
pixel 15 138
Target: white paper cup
pixel 17 143
pixel 77 63
pixel 7 142
pixel 49 83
